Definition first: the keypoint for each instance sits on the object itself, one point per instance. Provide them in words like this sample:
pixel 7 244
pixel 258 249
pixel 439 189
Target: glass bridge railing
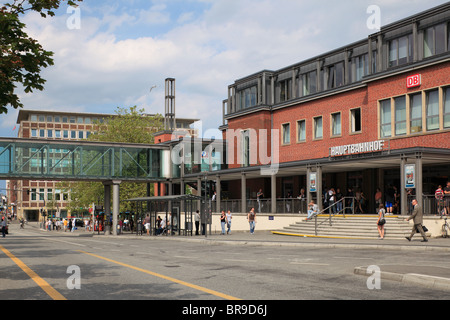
pixel 81 160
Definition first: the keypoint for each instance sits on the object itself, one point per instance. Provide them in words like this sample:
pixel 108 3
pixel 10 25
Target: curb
pixel 202 240
pixel 430 282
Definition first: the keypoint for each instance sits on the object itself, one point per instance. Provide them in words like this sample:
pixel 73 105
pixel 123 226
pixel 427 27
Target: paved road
pixel 36 265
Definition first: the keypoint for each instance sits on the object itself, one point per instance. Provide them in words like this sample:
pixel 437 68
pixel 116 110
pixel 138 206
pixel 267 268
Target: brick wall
pixel 365 98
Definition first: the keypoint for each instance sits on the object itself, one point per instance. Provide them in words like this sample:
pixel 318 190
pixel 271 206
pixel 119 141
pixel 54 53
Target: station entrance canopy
pixel 36 159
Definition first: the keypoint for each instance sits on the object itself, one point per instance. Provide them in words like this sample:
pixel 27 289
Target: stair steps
pixel 349 226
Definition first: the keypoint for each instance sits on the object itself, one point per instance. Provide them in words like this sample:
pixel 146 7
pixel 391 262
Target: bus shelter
pixel 167 215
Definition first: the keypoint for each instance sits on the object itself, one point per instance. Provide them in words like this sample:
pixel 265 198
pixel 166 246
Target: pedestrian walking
pixel 197 221
pixel 251 217
pixel 447 196
pixel 381 221
pixel 417 217
pixel 147 224
pixel 259 195
pixel 440 204
pixel 4 225
pixel 223 221
pixel 229 217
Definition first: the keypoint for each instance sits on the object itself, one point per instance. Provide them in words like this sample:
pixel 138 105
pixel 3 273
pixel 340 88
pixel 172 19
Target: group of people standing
pixel 442 196
pixel 416 216
pixel 225 220
pixel 66 224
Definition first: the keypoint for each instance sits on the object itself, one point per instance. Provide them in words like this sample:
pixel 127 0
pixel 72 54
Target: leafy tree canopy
pixel 22 57
pixel 129 126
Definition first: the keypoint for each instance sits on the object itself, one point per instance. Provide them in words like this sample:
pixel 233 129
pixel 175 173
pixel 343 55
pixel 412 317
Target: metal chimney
pixel 169 118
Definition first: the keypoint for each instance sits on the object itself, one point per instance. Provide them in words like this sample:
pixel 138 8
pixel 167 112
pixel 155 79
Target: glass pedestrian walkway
pixel 82 160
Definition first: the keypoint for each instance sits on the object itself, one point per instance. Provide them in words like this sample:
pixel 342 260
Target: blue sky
pixel 124 47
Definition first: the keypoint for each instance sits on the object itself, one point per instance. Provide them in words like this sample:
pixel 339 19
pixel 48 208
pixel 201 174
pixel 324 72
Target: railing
pixel 283 205
pixel 430 205
pixel 338 207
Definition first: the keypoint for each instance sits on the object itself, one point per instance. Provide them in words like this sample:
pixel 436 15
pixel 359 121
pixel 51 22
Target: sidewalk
pixel 429 277
pixel 267 238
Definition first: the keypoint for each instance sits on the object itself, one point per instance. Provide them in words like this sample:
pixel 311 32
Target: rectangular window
pixel 361 66
pixel 447 107
pixel 80 135
pixel 247 98
pixel 73 134
pixel 340 78
pixel 318 128
pixel 434 40
pixel 335 75
pixel 400 51
pixel 432 112
pixel 448 35
pixel 49 133
pixel 49 195
pixel 286 128
pixel 336 124
pixel 393 49
pixel 33 194
pixel 57 133
pixel 66 134
pixel 80 120
pixel 57 119
pixel 439 38
pixel 33 118
pixel 415 105
pixel 41 133
pixel 49 119
pixel 331 77
pixel 34 133
pixel 400 115
pixel 309 83
pixel 385 118
pixel 301 130
pixel 72 120
pixel 41 194
pixel 65 119
pixel 285 90
pixel 355 118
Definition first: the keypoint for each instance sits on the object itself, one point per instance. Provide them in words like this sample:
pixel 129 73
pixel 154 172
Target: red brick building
pixel 363 116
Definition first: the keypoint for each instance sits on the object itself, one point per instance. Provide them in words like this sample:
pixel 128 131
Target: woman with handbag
pixel 381 221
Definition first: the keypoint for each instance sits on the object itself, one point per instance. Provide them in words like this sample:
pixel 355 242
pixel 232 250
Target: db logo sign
pixel 413 81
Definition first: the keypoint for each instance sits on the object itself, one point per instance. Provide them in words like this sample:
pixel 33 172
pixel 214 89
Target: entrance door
pixel 31 215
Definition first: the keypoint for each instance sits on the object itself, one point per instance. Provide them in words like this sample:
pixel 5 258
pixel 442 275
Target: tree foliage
pixel 22 58
pixel 128 126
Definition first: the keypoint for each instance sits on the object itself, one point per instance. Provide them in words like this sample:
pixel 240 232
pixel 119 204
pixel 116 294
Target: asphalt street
pixel 42 265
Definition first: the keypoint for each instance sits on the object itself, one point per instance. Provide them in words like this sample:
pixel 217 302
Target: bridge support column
pixel 116 202
pixel 116 205
pixel 107 204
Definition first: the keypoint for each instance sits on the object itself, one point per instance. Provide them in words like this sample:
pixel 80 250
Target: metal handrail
pixel 331 214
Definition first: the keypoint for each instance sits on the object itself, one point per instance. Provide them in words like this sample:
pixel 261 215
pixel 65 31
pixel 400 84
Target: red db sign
pixel 413 81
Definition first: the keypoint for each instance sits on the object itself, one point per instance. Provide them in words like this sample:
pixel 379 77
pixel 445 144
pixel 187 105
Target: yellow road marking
pixel 55 295
pixel 190 285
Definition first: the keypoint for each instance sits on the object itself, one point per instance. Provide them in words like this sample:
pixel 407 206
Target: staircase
pixel 350 226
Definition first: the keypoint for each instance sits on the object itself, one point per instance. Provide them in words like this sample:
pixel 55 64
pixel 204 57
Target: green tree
pixel 128 126
pixel 22 57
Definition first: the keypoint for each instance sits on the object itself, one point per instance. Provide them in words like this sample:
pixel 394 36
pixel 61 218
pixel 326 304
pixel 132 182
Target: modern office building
pixel 370 114
pixel 29 197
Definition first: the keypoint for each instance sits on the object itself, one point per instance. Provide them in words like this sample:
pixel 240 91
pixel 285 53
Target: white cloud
pixel 122 50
